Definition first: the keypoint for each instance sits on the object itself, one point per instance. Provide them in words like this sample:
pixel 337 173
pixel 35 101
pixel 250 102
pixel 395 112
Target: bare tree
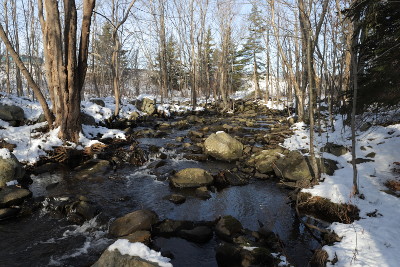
pixel 116 52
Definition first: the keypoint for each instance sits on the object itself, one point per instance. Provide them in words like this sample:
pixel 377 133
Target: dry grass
pixel 326 210
pixel 319 259
pixel 393 185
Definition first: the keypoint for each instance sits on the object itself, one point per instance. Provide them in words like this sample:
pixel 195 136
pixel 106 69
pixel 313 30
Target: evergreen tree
pixel 174 66
pixel 252 49
pixel 377 49
pixel 103 53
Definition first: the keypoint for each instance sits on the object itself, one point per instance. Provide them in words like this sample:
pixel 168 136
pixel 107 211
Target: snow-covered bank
pixel 372 240
pixel 32 141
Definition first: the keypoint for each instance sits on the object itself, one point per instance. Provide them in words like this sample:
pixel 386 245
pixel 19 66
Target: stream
pixel 43 240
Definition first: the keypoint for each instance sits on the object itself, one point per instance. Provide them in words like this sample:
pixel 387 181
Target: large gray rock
pixel 8 213
pixel 115 259
pixel 263 161
pixel 10 169
pixel 147 105
pixel 87 119
pixel 92 167
pixel 334 149
pixel 293 167
pixel 132 222
pixel 11 113
pixel 98 102
pixel 222 146
pixel 228 227
pixel 191 177
pixel 13 196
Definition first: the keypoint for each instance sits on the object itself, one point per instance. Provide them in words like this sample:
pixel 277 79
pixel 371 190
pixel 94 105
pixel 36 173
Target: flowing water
pixel 42 240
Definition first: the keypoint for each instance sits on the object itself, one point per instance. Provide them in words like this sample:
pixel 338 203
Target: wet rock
pixel 47 167
pixel 334 149
pixel 227 127
pixel 132 222
pixel 196 157
pixel 179 139
pixel 235 256
pixel 181 125
pixel 176 198
pixel 228 227
pixel 147 105
pixel 52 186
pixel 115 258
pixel 92 167
pixel 191 177
pixel 223 147
pixel 196 134
pixel 11 113
pixel 264 160
pixel 365 127
pixel 164 126
pixel 85 209
pixel 226 177
pixel 8 213
pixel 139 236
pixel 194 149
pixel 293 167
pixel 98 102
pixel 171 227
pixel 199 234
pixel 87 119
pixel 134 116
pixel 10 196
pixel 203 193
pixel 10 169
pixel 195 119
pixel 262 176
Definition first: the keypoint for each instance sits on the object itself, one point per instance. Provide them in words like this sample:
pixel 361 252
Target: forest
pixel 199 133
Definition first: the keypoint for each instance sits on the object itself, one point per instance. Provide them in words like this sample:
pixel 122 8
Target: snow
pixel 140 250
pixel 4 153
pixel 370 241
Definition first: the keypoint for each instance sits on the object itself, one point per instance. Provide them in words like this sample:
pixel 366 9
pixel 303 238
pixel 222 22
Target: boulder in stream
pixel 132 222
pixel 199 234
pixel 11 196
pixel 10 168
pixel 228 227
pixel 92 167
pixel 230 255
pixel 147 105
pixel 176 198
pixel 124 253
pixel 264 160
pixel 191 178
pixel 293 167
pixel 222 146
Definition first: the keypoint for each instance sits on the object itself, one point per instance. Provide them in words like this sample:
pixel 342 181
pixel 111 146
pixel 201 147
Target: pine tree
pixel 173 64
pixel 103 53
pixel 377 48
pixel 252 49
